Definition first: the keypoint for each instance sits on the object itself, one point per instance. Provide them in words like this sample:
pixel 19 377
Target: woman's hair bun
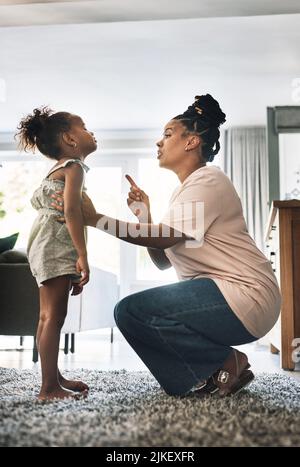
pixel 204 117
pixel 209 108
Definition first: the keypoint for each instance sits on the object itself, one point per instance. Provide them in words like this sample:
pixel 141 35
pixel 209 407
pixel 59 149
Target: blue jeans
pixel 182 332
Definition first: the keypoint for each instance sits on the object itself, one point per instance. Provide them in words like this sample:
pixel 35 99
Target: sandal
pixel 206 388
pixel 210 388
pixel 245 378
pixel 228 381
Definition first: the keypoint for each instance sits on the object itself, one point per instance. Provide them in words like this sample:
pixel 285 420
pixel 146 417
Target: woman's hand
pixel 90 216
pixel 88 209
pixel 58 204
pixel 138 202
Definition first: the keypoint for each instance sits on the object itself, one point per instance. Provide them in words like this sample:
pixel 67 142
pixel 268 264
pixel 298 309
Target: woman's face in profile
pixel 171 147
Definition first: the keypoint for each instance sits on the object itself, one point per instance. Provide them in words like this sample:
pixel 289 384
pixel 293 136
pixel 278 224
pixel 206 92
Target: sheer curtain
pixel 246 164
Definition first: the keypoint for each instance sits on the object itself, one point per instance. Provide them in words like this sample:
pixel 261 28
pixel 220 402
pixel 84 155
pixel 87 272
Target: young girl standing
pixel 57 252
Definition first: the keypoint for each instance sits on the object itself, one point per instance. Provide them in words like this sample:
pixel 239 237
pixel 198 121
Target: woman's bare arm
pixel 142 212
pixel 143 234
pixel 159 258
pixel 148 235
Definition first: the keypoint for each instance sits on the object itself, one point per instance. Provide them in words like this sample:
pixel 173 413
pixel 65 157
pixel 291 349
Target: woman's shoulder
pixel 208 175
pixel 208 183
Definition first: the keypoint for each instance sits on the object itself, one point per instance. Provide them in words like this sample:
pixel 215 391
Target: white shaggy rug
pixel 129 409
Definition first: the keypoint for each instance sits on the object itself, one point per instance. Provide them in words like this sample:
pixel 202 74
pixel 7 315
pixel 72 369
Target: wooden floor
pixel 93 350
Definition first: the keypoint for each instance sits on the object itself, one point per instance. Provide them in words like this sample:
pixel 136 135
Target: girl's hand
pixel 76 288
pixel 138 202
pixel 82 268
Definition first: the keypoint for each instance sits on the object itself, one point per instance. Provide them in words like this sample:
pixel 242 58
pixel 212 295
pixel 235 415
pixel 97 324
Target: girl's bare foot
pixel 77 386
pixel 60 393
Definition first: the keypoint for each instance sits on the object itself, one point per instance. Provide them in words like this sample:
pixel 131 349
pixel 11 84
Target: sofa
pixel 19 301
pixel 19 297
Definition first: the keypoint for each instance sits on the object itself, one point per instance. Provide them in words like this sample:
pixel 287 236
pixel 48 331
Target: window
pixel 289 147
pixel 159 185
pixel 107 187
pixel 18 180
pixel 104 188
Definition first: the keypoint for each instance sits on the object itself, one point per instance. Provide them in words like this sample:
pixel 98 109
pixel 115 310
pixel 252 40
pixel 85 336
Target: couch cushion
pixel 13 256
pixel 8 243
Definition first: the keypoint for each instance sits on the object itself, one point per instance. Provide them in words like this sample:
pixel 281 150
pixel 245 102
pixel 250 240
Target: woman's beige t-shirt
pixel 223 249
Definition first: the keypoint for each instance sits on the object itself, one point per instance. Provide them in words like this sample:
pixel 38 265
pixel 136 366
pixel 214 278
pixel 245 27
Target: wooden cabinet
pixel 283 245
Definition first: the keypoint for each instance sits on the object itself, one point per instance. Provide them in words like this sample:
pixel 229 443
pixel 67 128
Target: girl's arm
pixel 72 199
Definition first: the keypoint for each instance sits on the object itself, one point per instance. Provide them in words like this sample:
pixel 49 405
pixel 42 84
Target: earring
pixel 186 149
pixel 75 145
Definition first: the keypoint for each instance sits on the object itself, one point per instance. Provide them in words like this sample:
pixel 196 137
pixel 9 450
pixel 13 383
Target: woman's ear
pixel 194 142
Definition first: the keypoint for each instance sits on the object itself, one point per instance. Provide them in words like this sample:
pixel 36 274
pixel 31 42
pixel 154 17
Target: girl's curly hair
pixel 42 129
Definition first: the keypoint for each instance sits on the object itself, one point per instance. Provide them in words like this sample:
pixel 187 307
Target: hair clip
pixel 198 110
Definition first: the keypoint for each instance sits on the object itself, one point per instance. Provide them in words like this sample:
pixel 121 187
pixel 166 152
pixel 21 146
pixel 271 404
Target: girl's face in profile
pixel 86 140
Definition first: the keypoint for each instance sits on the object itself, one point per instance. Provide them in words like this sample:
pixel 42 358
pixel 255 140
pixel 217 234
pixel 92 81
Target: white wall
pixel 137 75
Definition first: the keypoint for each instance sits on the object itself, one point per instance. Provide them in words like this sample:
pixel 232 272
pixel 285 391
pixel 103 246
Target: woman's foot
pixel 60 393
pixel 234 375
pixel 77 386
pixel 204 388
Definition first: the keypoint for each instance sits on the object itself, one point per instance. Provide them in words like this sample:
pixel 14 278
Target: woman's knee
pixel 129 309
pixel 133 308
pixel 121 312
